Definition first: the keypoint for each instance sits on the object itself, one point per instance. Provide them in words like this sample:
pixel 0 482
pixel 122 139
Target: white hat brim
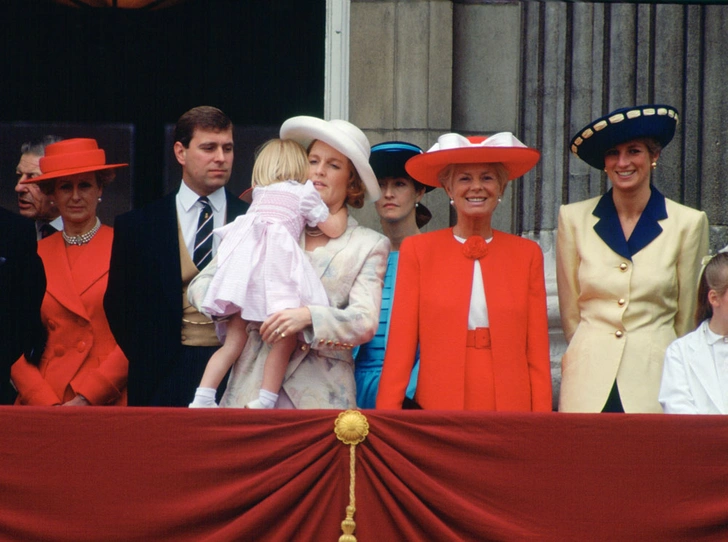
pixel 305 129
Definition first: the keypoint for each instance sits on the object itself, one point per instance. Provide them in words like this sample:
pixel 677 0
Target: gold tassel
pixel 351 427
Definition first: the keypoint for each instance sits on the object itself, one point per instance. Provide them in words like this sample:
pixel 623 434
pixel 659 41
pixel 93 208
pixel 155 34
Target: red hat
pixel 502 148
pixel 70 157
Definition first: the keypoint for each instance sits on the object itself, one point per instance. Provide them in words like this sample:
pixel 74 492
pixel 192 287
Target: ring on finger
pixel 276 331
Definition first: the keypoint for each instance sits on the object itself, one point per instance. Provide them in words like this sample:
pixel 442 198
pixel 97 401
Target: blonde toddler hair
pixel 279 160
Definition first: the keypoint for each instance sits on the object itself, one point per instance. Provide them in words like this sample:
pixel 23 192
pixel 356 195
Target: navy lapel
pixel 608 227
pixel 647 229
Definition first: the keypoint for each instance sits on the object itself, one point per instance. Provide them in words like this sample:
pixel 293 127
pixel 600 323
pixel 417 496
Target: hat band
pixel 96 157
pixel 396 146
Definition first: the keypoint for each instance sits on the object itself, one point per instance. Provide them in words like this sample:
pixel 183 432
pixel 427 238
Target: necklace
pixel 84 237
pixel 313 232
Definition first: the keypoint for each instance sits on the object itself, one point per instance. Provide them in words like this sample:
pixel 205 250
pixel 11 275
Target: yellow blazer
pixel 81 355
pixel 623 302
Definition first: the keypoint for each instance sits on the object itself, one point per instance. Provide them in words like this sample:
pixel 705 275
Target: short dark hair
pixel 204 117
pixel 36 147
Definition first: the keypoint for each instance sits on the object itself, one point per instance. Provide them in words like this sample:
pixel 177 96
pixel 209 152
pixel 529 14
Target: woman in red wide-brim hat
pixel 473 298
pixel 81 364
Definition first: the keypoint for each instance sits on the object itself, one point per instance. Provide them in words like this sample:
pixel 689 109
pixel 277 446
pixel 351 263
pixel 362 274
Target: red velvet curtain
pixel 75 474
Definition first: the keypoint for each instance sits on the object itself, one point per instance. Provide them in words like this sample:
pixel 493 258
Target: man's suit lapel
pixel 165 252
pixel 235 207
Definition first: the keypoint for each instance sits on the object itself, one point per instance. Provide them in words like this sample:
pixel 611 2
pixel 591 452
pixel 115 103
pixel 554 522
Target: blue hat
pixel 388 159
pixel 655 121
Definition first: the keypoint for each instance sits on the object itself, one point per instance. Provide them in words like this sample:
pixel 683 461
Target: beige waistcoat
pixel 197 329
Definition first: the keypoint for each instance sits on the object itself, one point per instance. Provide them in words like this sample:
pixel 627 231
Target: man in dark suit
pixel 32 202
pixel 22 287
pixel 157 251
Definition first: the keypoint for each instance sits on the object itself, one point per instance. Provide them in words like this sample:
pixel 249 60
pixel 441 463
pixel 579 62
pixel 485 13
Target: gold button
pixel 621 301
pixel 329 342
pixel 304 347
pixel 619 334
pixel 321 341
pixel 623 266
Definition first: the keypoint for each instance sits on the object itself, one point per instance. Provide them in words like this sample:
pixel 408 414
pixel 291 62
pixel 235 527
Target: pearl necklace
pixel 84 237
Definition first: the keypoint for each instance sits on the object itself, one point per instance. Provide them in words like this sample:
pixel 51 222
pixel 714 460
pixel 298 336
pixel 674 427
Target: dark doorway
pixel 260 61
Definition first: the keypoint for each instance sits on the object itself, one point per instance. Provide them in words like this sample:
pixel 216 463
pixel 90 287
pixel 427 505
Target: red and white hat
pixel 502 148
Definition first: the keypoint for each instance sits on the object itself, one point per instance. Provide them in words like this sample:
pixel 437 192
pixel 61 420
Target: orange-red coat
pixel 81 355
pixel 431 304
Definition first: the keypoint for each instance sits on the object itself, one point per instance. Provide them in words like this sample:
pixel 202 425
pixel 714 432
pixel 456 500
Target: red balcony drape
pixel 89 474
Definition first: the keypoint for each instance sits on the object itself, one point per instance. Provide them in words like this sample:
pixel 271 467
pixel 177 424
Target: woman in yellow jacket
pixel 81 364
pixel 627 267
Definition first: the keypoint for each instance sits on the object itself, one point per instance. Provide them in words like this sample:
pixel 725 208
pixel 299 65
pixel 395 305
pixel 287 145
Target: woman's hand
pixel 285 323
pixel 79 400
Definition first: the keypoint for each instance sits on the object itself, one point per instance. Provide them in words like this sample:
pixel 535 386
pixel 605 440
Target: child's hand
pixel 335 225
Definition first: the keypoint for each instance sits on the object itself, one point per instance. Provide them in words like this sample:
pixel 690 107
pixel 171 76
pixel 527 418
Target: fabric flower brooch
pixel 475 247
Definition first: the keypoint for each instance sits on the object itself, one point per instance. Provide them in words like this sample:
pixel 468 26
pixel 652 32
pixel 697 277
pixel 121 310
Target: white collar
pixel 711 337
pixel 187 197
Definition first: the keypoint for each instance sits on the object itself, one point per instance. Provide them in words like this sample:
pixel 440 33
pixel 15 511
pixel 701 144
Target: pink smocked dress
pixel 261 268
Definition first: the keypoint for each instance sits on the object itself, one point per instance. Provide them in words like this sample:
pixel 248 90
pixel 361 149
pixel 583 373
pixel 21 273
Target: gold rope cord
pixel 351 427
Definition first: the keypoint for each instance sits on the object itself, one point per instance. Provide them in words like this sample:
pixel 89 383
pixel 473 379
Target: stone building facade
pixel 415 69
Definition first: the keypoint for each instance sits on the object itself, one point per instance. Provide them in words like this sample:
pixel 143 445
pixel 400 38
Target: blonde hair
pixel 444 176
pixel 279 160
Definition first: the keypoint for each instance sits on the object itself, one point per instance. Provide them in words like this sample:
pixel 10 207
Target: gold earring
pixel 654 164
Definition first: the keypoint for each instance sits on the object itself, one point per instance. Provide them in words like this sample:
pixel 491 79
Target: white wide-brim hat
pixel 503 147
pixel 342 136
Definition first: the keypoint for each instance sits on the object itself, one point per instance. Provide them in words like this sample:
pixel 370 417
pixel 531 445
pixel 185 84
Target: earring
pixel 417 204
pixel 605 170
pixel 500 199
pixel 654 164
pixel 99 199
pixel 452 202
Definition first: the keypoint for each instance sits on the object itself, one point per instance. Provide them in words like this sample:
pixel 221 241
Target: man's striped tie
pixel 203 237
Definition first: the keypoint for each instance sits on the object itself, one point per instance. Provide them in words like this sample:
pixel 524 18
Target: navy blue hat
pixel 388 159
pixel 655 121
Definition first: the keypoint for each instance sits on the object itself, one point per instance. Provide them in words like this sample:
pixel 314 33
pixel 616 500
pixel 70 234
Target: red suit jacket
pixel 431 304
pixel 81 355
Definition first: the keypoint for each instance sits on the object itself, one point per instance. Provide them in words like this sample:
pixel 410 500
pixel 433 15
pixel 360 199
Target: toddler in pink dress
pixel 261 268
